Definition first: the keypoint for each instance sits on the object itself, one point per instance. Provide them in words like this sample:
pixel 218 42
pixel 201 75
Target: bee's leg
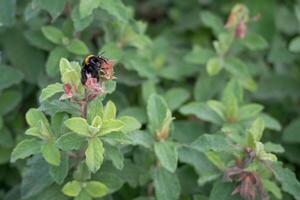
pixel 95 74
pixel 97 77
pixel 83 76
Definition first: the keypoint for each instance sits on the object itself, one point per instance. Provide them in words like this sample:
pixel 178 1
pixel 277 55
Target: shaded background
pixel 158 49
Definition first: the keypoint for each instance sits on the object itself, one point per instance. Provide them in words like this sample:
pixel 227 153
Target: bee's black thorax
pixel 91 66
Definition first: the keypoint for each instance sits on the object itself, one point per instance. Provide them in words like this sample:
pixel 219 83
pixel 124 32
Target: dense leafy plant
pixel 190 105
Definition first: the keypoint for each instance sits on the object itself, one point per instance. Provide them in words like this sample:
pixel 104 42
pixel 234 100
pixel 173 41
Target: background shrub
pixel 205 104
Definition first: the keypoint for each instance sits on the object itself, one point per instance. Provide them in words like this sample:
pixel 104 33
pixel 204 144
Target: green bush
pixel 196 100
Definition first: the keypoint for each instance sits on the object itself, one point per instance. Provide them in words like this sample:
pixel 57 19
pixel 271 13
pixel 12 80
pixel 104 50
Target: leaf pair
pixel 100 122
pixel 255 133
pixel 85 190
pixel 40 128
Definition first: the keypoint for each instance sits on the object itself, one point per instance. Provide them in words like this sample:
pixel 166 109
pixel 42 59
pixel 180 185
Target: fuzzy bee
pixel 91 67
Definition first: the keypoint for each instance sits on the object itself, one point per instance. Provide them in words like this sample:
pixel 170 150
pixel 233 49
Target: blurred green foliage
pixel 204 88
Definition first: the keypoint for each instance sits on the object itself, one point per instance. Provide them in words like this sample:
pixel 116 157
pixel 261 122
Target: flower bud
pixel 68 90
pixel 108 70
pixel 241 30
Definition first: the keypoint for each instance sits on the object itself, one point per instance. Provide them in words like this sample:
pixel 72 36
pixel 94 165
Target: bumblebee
pixel 91 66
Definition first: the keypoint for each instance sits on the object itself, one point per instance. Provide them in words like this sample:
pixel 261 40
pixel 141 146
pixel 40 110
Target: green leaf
pixel 175 97
pixel 232 90
pixel 256 129
pixel 224 42
pixel 223 191
pixel 213 21
pixel 7 140
pixel 214 66
pixel 53 34
pixel 112 180
pixel 112 51
pixel 7 12
pixel 207 87
pixel 52 64
pixel 54 7
pixel 95 108
pixel 97 122
pixel 110 86
pixel 57 123
pixel 51 153
pixel 117 9
pixel 57 106
pixel 82 173
pixel 291 132
pixel 288 180
pixel 166 185
pixel 87 7
pixel 130 124
pixel 262 154
pixel 83 195
pixel 72 77
pixel 217 107
pixel 44 130
pixel 72 188
pixel 30 62
pixel 34 116
pixel 78 125
pixel 199 55
pixel 9 99
pixel 167 154
pixel 249 111
pixel 270 122
pixel 273 188
pixel 52 192
pixel 254 41
pixel 64 66
pixel 136 112
pixel 94 154
pixel 79 22
pixel 77 47
pixel 240 70
pixel 96 189
pixel 31 11
pixel 9 76
pixel 51 90
pixel 294 45
pixel 25 148
pixel 34 131
pixel 110 126
pixel 275 148
pixel 114 154
pixel 59 173
pixel 110 111
pixel 70 141
pixel 36 178
pixel 213 142
pixel 148 88
pixel 157 111
pixel 202 111
pixel 142 138
pixel 216 159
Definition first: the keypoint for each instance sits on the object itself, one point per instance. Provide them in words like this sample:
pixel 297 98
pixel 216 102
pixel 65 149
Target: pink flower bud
pixel 91 82
pixel 68 90
pixel 230 21
pixel 108 70
pixel 94 88
pixel 241 30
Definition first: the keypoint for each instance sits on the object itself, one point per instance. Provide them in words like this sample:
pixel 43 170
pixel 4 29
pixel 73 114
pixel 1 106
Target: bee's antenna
pixel 101 53
pixel 100 56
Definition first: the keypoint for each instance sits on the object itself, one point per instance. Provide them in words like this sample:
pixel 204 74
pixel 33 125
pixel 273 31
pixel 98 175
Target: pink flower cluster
pixel 107 70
